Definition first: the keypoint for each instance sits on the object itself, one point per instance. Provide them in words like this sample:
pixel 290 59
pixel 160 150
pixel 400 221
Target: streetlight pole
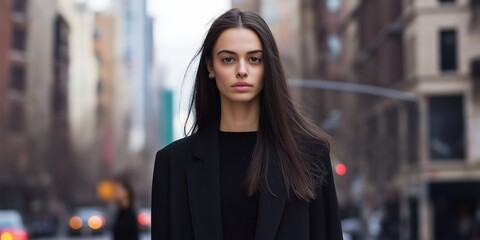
pixel 355 88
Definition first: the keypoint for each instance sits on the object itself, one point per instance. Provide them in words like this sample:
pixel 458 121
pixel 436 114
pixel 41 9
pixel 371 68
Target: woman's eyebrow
pixel 234 53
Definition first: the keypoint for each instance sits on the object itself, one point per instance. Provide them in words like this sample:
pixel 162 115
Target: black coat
pixel 126 227
pixel 186 198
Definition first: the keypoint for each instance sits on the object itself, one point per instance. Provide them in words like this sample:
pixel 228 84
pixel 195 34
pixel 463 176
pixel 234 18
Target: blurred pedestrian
pixel 253 166
pixel 125 223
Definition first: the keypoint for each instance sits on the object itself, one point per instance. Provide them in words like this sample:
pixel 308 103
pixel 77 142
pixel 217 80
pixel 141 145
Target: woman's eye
pixel 227 60
pixel 255 60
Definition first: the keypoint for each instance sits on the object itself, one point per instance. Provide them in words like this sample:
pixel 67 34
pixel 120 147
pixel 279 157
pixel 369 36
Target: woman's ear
pixel 209 64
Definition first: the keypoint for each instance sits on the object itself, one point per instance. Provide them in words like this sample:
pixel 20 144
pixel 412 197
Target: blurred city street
pixel 90 90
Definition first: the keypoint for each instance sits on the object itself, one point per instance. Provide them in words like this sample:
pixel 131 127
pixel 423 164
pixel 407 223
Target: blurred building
pixel 75 103
pixel 378 138
pixel 82 100
pixel 442 45
pixel 415 163
pixel 15 162
pixel 135 117
pixel 35 145
pixel 330 109
pixel 105 40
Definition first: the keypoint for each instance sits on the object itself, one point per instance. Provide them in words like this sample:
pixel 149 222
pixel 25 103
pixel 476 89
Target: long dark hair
pixel 283 133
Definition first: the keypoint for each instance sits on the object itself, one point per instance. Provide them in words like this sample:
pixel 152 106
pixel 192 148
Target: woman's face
pixel 237 65
pixel 121 194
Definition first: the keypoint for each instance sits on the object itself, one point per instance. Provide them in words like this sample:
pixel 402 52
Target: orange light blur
pixel 6 236
pixel 95 222
pixel 75 223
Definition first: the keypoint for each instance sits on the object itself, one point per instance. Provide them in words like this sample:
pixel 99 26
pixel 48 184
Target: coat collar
pixel 204 192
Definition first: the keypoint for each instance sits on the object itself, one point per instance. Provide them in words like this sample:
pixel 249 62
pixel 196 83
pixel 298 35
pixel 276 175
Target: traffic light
pixel 341 169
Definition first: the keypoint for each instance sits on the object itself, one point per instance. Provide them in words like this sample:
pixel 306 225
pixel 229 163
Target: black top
pixel 186 201
pixel 126 227
pixel 239 211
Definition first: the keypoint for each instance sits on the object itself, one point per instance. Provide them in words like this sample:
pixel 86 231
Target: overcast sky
pixel 180 26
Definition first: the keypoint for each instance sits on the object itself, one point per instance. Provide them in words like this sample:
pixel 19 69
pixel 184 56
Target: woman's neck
pixel 239 117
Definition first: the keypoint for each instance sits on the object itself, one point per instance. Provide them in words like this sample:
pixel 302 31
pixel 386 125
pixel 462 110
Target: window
pixel 18 39
pixel 334 46
pixel 333 5
pixel 19 5
pixel 412 122
pixel 446 127
pixel 17 78
pixel 448 50
pixel 413 214
pixel 16 117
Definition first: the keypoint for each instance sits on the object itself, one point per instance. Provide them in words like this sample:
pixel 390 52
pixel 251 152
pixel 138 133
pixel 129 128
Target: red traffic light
pixel 341 169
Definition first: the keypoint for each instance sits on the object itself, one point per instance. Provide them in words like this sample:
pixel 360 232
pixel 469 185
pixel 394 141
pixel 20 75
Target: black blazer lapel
pixel 204 187
pixel 270 207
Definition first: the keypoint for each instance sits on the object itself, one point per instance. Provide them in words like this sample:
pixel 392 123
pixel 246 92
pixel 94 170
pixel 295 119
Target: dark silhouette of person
pixel 125 223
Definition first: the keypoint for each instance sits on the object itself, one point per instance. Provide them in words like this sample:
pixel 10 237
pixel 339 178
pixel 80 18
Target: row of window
pixel 16 111
pixel 447 49
pixel 445 126
pixel 17 72
pixel 334 5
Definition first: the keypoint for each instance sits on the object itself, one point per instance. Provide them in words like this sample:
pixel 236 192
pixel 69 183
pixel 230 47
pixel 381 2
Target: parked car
pixel 11 226
pixel 144 219
pixel 42 225
pixel 87 221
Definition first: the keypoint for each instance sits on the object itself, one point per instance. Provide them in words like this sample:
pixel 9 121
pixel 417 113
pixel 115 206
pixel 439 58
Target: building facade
pixel 416 161
pixel 442 43
pixel 34 130
pixel 14 160
pixel 135 132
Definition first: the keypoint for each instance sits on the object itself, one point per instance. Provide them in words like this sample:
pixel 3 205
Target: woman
pixel 253 168
pixel 125 226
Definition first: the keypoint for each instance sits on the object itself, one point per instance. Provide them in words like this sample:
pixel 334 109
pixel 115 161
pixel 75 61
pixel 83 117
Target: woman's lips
pixel 242 86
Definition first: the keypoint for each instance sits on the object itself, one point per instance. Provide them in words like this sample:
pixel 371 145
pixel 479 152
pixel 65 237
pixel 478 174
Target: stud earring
pixel 210 75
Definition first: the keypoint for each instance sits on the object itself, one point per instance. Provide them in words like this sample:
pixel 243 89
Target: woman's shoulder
pixel 178 146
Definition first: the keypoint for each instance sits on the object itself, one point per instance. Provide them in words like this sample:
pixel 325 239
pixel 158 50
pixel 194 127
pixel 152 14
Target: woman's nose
pixel 242 71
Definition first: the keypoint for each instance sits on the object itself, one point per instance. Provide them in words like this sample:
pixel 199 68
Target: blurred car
pixel 11 226
pixel 44 225
pixel 144 219
pixel 87 221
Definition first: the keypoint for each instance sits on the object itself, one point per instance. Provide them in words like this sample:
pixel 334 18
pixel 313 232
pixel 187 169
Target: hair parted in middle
pixel 285 138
